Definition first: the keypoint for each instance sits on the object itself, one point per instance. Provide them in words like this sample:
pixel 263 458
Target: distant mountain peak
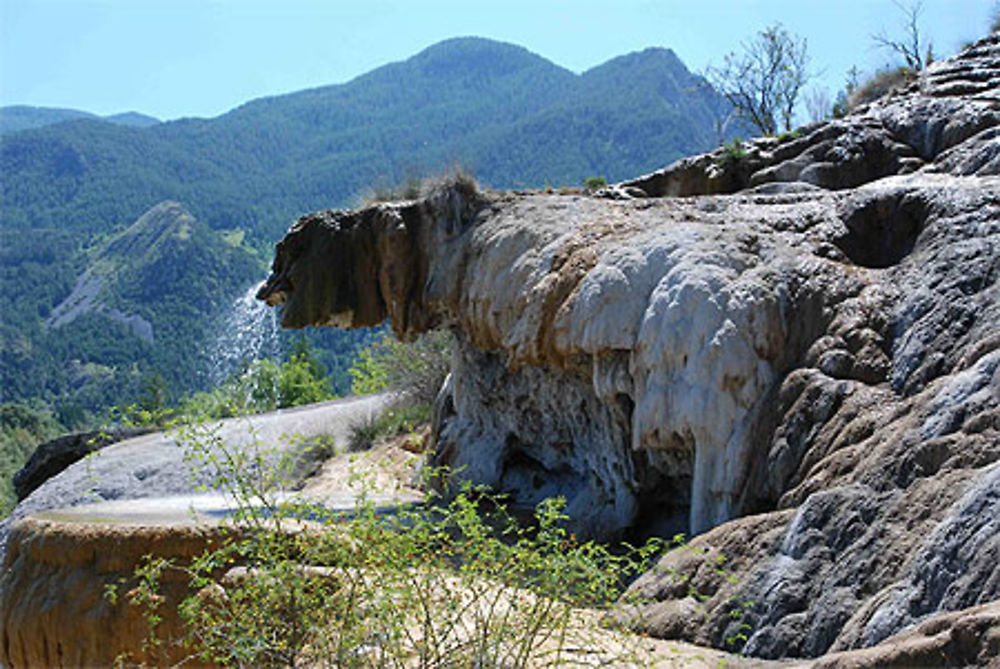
pixel 134 119
pixel 471 44
pixel 83 246
pixel 651 56
pixel 477 54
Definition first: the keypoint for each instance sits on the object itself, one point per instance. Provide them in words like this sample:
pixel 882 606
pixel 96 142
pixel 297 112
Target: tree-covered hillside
pixel 510 117
pixel 143 305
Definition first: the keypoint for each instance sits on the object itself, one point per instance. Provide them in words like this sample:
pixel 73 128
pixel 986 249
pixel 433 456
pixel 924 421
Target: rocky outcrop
pixel 946 121
pixel 966 638
pixel 799 360
pixel 60 552
pixel 56 455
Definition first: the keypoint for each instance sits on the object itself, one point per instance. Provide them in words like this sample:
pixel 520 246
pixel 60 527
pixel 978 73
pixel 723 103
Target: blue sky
pixel 174 58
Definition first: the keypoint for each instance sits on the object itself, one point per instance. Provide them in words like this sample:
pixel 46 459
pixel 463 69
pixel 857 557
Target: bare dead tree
pixel 916 54
pixel 818 104
pixel 764 81
pixel 722 116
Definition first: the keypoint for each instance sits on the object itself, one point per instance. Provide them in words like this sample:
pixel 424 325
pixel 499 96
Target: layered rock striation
pixel 793 353
pixel 62 554
pixel 59 573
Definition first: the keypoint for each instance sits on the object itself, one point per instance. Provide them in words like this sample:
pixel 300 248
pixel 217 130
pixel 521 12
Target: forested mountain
pixel 508 116
pixel 23 117
pixel 71 190
pixel 142 305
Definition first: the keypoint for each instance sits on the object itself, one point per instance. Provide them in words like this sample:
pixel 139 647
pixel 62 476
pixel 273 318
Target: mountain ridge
pixel 324 145
pixel 15 118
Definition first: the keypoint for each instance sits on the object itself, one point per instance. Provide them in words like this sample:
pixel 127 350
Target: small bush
pixel 408 190
pixel 417 368
pixel 457 178
pixel 263 386
pixel 416 187
pixel 364 434
pixel 595 183
pixel 308 458
pixel 397 420
pixel 733 152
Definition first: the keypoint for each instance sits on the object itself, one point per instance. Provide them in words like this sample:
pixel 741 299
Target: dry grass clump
pixel 880 84
pixel 414 187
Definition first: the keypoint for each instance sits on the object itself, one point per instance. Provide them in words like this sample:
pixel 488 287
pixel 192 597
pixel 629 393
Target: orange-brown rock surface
pixel 56 610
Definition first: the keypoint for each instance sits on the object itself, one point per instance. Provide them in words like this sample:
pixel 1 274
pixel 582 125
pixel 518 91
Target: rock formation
pixel 58 561
pixel 793 353
pixel 164 464
pixel 56 455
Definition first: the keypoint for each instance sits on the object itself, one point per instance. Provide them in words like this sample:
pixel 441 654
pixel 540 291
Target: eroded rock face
pixel 970 637
pixel 805 370
pixel 55 610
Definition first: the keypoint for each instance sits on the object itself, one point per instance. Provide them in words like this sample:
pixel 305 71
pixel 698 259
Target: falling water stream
pixel 249 331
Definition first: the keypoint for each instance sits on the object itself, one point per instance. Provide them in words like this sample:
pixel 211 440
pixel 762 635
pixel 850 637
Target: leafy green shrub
pixel 733 152
pixel 595 183
pixel 418 368
pixel 300 382
pixel 263 386
pixel 434 585
pixel 790 135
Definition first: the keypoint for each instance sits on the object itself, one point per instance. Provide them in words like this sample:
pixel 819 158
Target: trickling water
pixel 248 332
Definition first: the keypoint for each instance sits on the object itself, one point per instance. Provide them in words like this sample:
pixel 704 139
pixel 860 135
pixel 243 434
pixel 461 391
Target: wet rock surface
pixel 177 462
pixel 798 361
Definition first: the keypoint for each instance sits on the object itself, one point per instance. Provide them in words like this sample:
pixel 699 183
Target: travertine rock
pixel 175 462
pixel 55 610
pixel 946 122
pixel 60 564
pixel 970 637
pixel 806 370
pixel 56 455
